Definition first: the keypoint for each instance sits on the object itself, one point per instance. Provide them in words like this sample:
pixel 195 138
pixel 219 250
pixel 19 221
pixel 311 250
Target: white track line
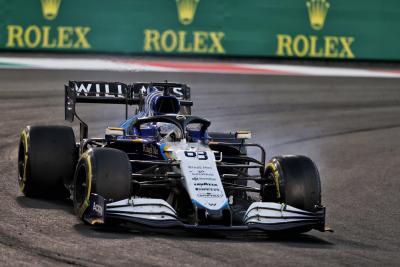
pixel 328 71
pixel 151 66
pixel 76 64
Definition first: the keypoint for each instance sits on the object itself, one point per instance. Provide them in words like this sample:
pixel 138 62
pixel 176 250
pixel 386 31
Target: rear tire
pixel 296 182
pixel 46 159
pixel 103 171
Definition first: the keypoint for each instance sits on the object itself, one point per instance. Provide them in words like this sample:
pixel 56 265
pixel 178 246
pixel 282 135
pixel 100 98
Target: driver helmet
pixel 170 129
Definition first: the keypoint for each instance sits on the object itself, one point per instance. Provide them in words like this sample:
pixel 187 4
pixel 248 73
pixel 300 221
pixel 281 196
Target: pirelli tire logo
pixel 316 45
pixel 48 36
pixel 184 40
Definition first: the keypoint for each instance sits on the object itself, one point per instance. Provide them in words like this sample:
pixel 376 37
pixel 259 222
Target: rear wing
pixel 118 93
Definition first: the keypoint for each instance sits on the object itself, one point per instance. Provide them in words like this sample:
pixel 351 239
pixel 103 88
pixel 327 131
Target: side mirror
pixel 113 132
pixel 243 135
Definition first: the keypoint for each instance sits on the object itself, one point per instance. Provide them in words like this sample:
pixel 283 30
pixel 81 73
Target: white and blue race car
pixel 163 168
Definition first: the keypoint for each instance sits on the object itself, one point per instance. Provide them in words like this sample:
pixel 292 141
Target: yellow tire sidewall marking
pixel 276 178
pixel 86 202
pixel 24 137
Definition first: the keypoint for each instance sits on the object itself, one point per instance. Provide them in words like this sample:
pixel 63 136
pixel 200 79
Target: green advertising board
pixel 333 29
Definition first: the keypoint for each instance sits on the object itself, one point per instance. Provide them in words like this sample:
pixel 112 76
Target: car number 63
pixel 201 155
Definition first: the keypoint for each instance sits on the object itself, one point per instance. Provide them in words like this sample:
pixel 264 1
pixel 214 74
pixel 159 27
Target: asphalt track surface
pixel 349 126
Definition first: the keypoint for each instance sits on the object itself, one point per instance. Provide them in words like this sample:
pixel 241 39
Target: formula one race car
pixel 163 168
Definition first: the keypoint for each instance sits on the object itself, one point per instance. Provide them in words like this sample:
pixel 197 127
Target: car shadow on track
pixel 35 203
pixel 122 232
pixel 128 232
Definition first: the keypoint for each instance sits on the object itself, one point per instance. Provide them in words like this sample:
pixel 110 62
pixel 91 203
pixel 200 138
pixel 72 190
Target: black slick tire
pixel 46 160
pixel 103 171
pixel 297 182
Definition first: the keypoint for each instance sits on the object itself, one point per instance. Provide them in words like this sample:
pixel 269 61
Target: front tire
pixel 103 171
pixel 46 159
pixel 295 181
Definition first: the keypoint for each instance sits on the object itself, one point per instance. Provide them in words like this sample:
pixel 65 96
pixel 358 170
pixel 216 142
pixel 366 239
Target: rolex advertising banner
pixel 332 29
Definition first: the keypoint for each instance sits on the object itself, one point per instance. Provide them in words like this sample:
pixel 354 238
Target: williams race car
pixel 163 168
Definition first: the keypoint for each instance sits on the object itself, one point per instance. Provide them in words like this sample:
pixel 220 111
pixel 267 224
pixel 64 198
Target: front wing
pixel 261 216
